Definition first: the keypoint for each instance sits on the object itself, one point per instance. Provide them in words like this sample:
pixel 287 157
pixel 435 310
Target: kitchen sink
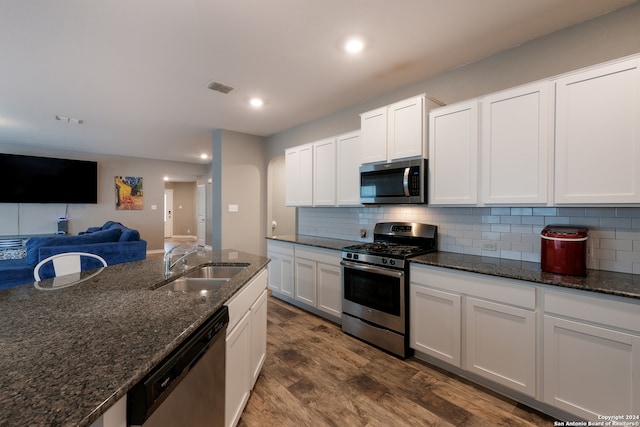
pixel 216 272
pixel 193 285
pixel 203 279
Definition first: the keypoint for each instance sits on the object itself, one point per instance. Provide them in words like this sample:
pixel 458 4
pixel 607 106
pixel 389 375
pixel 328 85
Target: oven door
pixel 374 294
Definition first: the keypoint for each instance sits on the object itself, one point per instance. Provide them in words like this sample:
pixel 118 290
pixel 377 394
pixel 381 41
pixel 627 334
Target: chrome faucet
pixel 168 258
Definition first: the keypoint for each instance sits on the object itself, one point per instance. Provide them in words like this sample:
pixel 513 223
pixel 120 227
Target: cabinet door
pixel 500 344
pixel 280 268
pixel 348 146
pixel 330 289
pixel 258 336
pixel 597 157
pixel 238 375
pixel 324 172
pixel 305 189
pixel 406 137
pixel 299 175
pixel 435 323
pixel 305 281
pixel 589 370
pixel 453 154
pixel 515 141
pixel 373 128
pixel 292 173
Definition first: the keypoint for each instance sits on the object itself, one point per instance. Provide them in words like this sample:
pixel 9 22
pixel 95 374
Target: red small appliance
pixel 564 249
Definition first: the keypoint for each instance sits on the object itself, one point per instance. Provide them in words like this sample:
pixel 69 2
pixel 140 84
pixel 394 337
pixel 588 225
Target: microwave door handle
pixel 405 182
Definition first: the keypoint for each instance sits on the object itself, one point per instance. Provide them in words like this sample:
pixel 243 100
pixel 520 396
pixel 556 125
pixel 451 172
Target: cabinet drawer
pixel 241 302
pixel 282 248
pixel 506 291
pixel 602 309
pixel 326 256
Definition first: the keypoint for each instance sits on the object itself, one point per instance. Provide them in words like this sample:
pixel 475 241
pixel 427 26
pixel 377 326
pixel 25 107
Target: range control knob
pixel 384 260
pixel 392 262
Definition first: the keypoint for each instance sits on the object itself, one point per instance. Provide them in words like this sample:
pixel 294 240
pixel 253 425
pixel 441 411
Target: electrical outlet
pixel 490 246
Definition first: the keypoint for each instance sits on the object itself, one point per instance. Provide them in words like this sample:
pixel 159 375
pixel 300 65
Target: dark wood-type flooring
pixel 315 375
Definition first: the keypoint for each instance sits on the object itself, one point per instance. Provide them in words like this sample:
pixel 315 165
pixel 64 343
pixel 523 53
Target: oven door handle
pixel 372 269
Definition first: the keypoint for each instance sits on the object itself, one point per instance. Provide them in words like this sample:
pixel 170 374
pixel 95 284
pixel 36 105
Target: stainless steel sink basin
pixel 203 280
pixel 193 285
pixel 216 272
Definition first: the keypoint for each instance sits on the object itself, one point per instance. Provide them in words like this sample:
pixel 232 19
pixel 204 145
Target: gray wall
pixel 184 207
pixel 615 232
pixel 25 218
pixel 239 178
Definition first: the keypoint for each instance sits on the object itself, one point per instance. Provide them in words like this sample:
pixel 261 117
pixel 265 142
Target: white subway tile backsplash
pixel 614 235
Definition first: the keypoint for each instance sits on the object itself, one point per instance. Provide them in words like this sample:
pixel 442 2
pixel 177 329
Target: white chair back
pixel 67 269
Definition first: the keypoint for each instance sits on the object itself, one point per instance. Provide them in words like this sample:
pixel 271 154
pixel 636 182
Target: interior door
pixel 200 213
pixel 168 213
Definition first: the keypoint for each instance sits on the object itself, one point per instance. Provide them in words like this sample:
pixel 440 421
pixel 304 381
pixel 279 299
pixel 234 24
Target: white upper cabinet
pixel 515 145
pixel 396 131
pixel 324 172
pixel 299 175
pixel 405 136
pixel 373 127
pixel 453 154
pixel 597 152
pixel 348 173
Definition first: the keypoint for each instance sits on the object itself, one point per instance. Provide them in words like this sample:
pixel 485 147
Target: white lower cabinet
pixel 281 267
pixel 484 325
pixel 501 344
pixel 237 378
pixel 562 350
pixel 245 345
pixel 307 276
pixel 305 281
pixel 318 280
pixel 591 355
pixel 435 327
pixel 258 336
pixel 115 416
pixel 329 288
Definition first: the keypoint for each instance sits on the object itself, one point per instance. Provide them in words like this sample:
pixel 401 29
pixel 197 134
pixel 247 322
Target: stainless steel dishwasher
pixel 187 388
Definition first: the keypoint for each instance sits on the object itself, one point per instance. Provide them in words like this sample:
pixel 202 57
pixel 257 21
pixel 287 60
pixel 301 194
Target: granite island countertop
pixel 68 355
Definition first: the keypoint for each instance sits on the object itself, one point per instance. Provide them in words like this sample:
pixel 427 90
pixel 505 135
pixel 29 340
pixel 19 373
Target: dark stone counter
pixel 67 355
pixel 318 242
pixel 606 282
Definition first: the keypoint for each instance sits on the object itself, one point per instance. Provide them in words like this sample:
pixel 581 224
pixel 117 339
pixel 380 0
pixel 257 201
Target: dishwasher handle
pixel 145 397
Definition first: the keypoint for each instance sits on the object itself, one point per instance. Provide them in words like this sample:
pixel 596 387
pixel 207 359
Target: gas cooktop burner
pixel 393 243
pixel 387 249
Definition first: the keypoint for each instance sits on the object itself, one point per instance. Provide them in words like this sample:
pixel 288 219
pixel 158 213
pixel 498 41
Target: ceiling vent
pixel 217 86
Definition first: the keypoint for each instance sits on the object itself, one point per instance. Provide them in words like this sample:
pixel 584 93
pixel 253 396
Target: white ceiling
pixel 136 70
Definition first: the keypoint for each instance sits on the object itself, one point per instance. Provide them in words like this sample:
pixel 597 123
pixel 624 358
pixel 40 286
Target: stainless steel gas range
pixel 375 284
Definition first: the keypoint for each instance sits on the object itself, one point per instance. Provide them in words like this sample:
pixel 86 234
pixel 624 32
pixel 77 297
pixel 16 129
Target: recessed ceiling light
pixel 256 102
pixel 166 178
pixel 204 156
pixel 354 45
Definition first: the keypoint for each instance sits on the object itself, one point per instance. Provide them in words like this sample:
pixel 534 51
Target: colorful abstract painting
pixel 129 195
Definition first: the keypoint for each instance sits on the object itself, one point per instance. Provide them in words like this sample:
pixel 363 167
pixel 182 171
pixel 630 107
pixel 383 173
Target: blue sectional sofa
pixel 113 241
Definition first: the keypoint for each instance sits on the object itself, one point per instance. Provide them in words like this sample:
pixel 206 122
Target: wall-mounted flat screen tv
pixel 30 179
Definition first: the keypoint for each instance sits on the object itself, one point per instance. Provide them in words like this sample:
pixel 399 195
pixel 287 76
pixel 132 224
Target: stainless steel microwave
pixel 394 183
